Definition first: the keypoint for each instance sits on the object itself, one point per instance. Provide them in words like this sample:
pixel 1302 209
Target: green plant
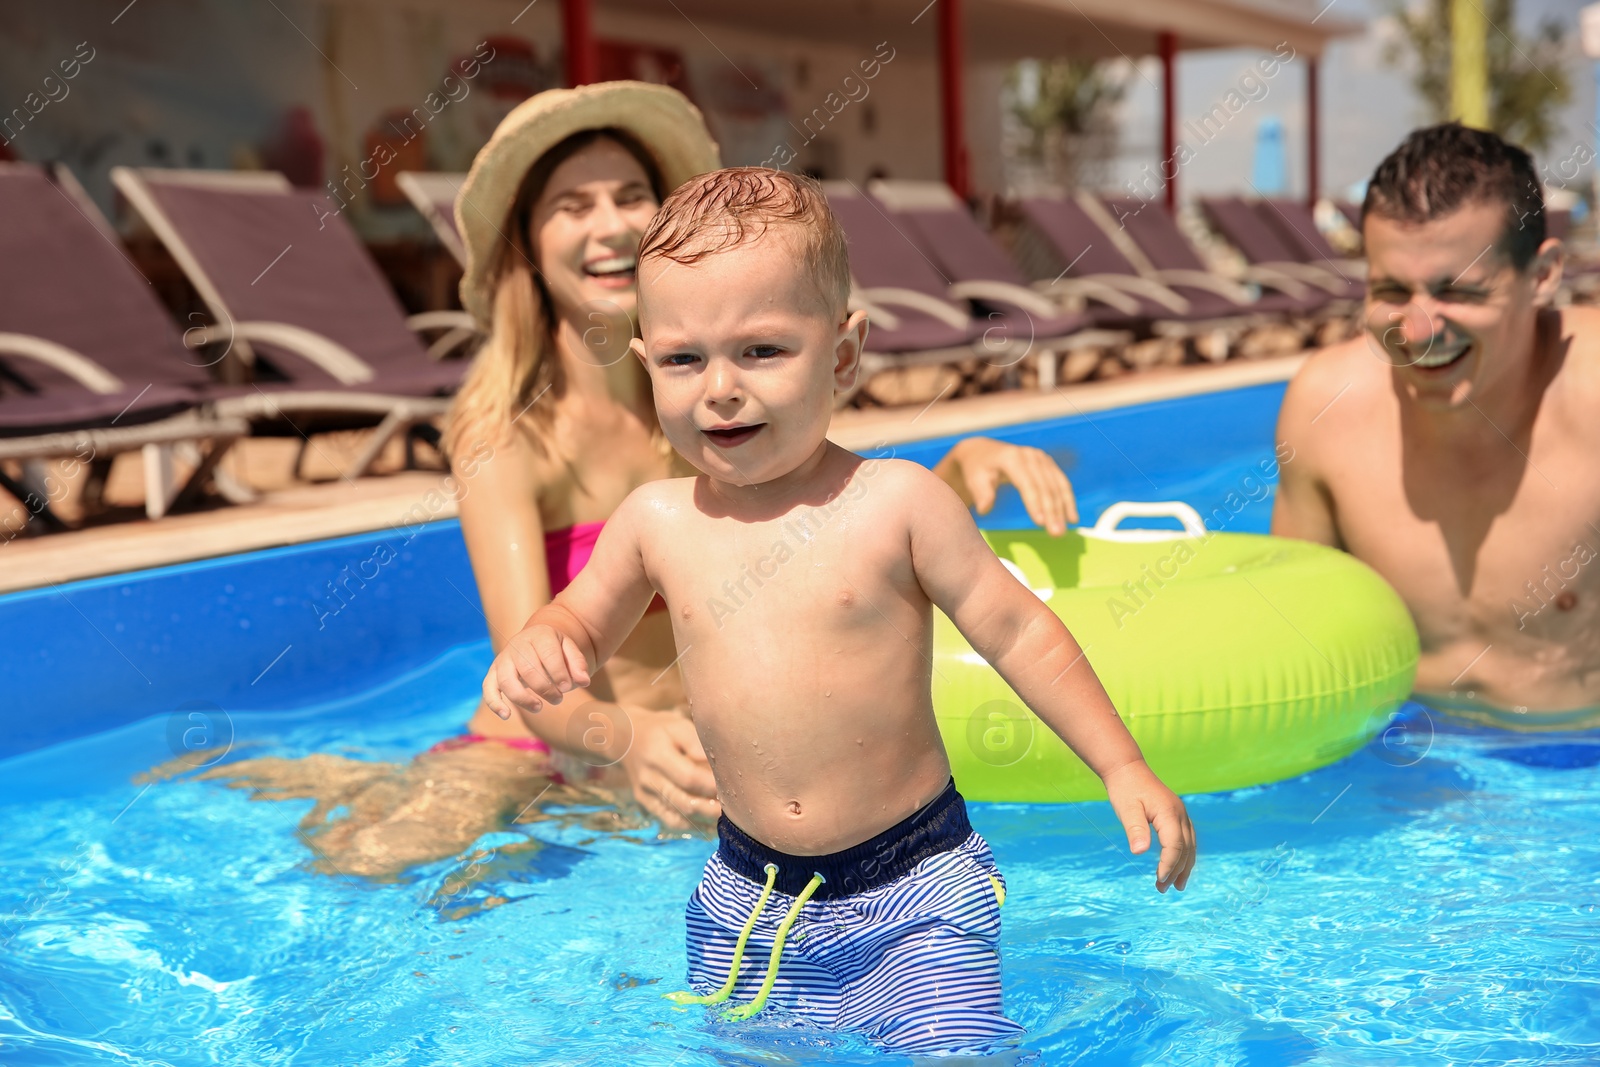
pixel 1527 82
pixel 1064 110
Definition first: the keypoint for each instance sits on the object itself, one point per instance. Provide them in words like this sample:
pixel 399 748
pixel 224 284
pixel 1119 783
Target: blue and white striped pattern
pixel 914 965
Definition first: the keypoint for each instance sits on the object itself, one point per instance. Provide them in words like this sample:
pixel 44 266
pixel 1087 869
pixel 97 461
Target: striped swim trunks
pixel 896 938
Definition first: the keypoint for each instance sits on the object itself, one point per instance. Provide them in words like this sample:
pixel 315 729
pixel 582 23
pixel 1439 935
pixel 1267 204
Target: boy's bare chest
pixel 806 574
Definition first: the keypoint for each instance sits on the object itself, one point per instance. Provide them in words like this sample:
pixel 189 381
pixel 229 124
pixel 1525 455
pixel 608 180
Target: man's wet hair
pixel 1439 169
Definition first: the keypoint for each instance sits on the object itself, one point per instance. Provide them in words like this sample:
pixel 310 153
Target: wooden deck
pixel 291 511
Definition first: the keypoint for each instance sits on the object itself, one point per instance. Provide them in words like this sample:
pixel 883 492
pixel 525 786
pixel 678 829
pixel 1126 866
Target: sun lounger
pixel 1296 224
pixel 297 301
pixel 981 271
pixel 433 194
pixel 900 268
pixel 1272 254
pixel 1162 253
pixel 913 323
pixel 1063 238
pixel 91 365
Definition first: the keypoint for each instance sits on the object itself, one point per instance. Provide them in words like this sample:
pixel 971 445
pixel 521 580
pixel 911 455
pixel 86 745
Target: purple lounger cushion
pixel 288 257
pixel 1158 237
pixel 1295 223
pixel 57 410
pixel 1248 232
pixel 961 249
pixel 62 280
pixel 1085 251
pixel 1247 229
pixel 883 257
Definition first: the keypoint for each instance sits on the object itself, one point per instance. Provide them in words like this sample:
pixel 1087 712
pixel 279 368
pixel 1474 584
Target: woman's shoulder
pixel 507 459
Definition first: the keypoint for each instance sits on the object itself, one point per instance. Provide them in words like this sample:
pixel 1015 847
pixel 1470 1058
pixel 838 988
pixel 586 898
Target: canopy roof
pixel 1019 29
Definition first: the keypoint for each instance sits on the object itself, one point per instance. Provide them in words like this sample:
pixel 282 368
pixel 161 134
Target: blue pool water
pixel 1430 900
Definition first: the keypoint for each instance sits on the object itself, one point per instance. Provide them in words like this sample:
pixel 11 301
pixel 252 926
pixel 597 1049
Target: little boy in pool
pixel 801 580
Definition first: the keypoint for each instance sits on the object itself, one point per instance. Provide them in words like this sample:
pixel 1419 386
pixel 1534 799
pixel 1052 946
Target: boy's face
pixel 744 357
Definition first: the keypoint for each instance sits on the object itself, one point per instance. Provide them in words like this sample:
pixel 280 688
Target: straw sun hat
pixel 662 119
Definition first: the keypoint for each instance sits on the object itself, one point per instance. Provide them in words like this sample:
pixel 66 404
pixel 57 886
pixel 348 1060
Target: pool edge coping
pixel 870 429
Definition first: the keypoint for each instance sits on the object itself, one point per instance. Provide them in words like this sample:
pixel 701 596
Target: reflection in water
pixel 377 820
pixel 488 876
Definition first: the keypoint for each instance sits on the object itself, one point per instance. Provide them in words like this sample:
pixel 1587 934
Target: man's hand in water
pixel 536 668
pixel 1141 801
pixel 668 770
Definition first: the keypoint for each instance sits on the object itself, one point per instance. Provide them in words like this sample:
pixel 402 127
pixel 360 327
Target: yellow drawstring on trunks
pixel 745 1011
pixel 726 991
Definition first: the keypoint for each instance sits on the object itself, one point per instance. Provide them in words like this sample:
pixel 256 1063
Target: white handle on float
pixel 1106 527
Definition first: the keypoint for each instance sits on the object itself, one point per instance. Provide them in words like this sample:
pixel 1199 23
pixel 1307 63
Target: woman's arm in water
pixel 658 750
pixel 977 466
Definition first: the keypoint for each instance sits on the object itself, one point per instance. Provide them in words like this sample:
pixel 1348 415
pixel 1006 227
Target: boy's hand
pixel 537 666
pixel 1141 800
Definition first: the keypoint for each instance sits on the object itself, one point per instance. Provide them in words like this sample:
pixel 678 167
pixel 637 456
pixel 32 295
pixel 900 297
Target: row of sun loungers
pixel 303 334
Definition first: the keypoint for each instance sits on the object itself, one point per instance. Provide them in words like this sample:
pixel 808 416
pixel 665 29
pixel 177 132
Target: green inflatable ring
pixel 1235 659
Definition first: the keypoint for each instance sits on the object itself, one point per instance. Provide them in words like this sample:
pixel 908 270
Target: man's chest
pixel 1486 547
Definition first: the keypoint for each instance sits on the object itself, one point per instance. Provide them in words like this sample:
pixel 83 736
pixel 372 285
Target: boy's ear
pixel 848 349
pixel 636 346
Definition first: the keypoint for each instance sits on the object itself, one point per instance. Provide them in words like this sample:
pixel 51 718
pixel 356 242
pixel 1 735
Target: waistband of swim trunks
pixel 939 827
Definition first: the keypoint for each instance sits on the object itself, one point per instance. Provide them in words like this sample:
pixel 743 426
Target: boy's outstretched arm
pixel 1038 657
pixel 565 641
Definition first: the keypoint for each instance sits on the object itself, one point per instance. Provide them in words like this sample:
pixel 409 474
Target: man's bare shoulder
pixel 1348 371
pixel 1580 329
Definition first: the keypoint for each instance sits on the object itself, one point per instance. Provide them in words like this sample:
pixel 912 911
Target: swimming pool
pixel 1432 899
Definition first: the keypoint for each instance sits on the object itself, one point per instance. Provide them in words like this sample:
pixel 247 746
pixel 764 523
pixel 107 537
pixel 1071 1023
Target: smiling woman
pixel 559 419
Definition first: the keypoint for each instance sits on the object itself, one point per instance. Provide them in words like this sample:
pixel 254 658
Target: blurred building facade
pixel 346 93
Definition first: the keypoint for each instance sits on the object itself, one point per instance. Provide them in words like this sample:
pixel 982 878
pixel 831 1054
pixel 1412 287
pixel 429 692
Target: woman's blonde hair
pixel 517 367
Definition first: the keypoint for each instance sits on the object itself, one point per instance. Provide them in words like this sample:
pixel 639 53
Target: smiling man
pixel 1455 446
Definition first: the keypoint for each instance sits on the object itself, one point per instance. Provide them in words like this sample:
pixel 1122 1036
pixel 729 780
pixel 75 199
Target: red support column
pixel 1313 131
pixel 952 123
pixel 577 33
pixel 1167 45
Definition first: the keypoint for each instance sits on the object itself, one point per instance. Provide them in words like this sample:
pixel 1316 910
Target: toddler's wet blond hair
pixel 723 209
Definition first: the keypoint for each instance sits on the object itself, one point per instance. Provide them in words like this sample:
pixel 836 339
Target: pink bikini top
pixel 567 549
